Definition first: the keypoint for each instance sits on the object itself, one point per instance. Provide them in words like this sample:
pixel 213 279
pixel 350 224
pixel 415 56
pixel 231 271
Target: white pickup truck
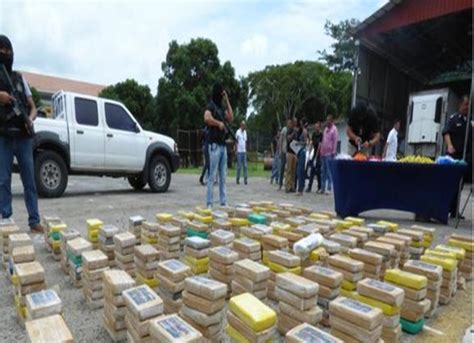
pixel 95 136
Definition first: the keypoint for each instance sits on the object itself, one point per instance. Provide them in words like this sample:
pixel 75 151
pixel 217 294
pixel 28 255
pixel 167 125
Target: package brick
pixel 173 329
pixel 172 274
pixel 146 259
pixel 48 329
pixel 135 224
pixel 42 304
pixel 65 236
pixel 255 314
pixel 221 237
pixel 306 333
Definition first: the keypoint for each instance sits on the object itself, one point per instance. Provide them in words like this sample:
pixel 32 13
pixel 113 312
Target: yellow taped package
pixel 406 279
pixel 235 335
pixel 198 262
pixel 58 227
pixel 186 214
pixel 387 309
pixel 441 253
pixel 252 312
pixel 447 264
pixel 94 224
pixel 319 216
pixel 421 244
pixel 148 240
pixel 425 244
pixel 94 237
pixel 278 268
pixel 152 283
pixel 277 227
pixel 239 221
pixel 56 244
pixel 204 211
pixel 342 224
pixel 14 280
pixel 265 259
pixel 459 252
pixel 355 221
pixel 316 254
pixel 391 225
pixel 164 217
pixel 468 246
pixel 347 294
pixel 203 219
pixel 199 270
pixel 348 286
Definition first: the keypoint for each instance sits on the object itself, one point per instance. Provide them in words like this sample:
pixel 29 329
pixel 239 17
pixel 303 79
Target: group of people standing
pixel 292 146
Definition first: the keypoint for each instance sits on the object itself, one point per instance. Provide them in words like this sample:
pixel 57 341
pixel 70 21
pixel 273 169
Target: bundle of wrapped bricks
pixel 106 242
pixel 171 275
pixel 415 304
pixel 66 235
pixel 124 246
pixel 221 237
pixel 450 271
pixel 115 283
pixel 256 231
pixel 298 301
pixel 280 261
pixel 49 221
pixel 143 305
pixel 221 224
pixel 20 250
pixel 248 248
pixel 362 237
pixel 94 264
pixel 28 278
pixel 135 224
pixel 196 254
pixel 221 265
pixel 346 241
pixel 379 229
pixel 466 243
pixel 305 333
pixel 146 259
pixel 286 231
pixel 428 236
pixel 434 274
pixel 75 248
pixel 150 233
pixel 164 218
pixel 250 320
pixel 54 238
pixel 460 255
pixel 7 228
pixel 250 277
pixel 255 218
pixel 272 242
pixel 398 237
pixel 329 282
pixel 386 250
pixel 48 329
pixel 169 238
pixel 237 223
pixel 372 262
pixel 203 306
pixel 352 271
pixel 197 228
pixel 43 304
pixel 173 329
pixel 353 321
pixel 93 228
pixel 182 223
pixel 392 227
pixel 401 247
pixel 416 245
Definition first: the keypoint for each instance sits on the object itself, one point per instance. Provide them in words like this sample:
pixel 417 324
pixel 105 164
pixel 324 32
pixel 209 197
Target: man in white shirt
pixel 241 136
pixel 391 147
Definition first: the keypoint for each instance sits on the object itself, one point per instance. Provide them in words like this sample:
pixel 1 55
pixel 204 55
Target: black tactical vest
pixel 9 122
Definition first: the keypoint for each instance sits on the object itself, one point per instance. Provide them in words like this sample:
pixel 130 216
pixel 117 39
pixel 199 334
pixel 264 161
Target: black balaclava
pixel 217 90
pixel 6 59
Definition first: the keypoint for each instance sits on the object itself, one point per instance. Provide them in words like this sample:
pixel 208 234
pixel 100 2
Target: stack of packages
pixel 362 229
pixel 362 237
pixel 221 224
pixel 237 223
pixel 250 277
pixel 221 238
pixel 305 333
pixel 135 224
pixel 43 304
pixel 460 255
pixel 329 282
pixel 115 283
pixel 428 235
pixel 372 262
pixel 298 301
pixel 289 234
pixel 171 275
pixel 94 264
pixel 173 329
pixel 353 321
pixel 75 248
pixel 352 271
pixel 248 248
pixel 150 233
pixel 270 243
pixel 164 218
pixel 203 306
pixel 169 238
pixel 143 305
pixel 450 271
pixel 416 245
pixel 405 253
pixel 434 275
pixel 48 329
pixel 146 263
pixel 196 251
pixel 29 278
pixel 54 238
pixel 93 228
pixel 256 231
pixel 379 229
pixel 20 250
pixel 106 242
pixel 391 226
pixel 49 221
pixel 182 223
pixel 466 243
pixel 221 265
pixel 386 250
pixel 250 320
pixel 280 261
pixel 401 246
pixel 7 228
pixel 415 305
pixel 124 252
pixel 197 229
pixel 389 300
pixel 67 235
pixel 346 241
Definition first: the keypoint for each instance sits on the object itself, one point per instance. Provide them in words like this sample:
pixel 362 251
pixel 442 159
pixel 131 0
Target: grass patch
pixel 255 169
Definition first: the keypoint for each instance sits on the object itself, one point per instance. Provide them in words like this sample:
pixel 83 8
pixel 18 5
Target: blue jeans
pixel 217 162
pixel 326 173
pixel 300 170
pixel 275 168
pixel 22 149
pixel 241 160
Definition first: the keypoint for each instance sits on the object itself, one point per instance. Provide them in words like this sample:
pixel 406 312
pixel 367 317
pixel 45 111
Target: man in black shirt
pixel 315 163
pixel 362 129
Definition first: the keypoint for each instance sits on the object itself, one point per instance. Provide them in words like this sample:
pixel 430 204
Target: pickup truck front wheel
pixel 159 174
pixel 51 174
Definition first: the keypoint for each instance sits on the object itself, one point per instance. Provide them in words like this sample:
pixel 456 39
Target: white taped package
pixel 304 246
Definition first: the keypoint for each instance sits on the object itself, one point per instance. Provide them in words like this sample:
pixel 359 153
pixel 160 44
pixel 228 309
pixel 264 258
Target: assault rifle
pixel 227 128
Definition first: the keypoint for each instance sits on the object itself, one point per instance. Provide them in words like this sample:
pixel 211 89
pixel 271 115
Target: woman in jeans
pixel 328 151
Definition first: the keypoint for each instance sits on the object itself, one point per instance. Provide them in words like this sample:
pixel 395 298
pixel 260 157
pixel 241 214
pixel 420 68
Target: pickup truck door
pixel 125 144
pixel 86 134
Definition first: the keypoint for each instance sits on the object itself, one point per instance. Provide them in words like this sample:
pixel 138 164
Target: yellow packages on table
pixel 406 279
pixel 164 218
pixel 278 268
pixel 447 264
pixel 252 312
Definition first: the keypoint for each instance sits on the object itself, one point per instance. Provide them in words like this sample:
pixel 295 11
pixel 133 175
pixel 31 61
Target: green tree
pixel 36 97
pixel 137 98
pixel 343 49
pixel 189 72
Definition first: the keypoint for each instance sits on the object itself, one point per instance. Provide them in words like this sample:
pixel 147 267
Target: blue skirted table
pixel 427 190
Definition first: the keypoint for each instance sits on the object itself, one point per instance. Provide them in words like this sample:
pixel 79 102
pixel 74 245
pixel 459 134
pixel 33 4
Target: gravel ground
pixel 113 201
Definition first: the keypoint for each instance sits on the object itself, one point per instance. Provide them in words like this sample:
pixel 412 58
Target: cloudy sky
pixel 108 41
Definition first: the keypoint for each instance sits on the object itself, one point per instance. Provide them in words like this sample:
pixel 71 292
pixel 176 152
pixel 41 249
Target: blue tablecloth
pixel 424 189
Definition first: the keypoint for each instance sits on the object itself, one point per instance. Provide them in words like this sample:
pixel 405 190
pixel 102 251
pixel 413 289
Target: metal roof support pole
pixel 356 74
